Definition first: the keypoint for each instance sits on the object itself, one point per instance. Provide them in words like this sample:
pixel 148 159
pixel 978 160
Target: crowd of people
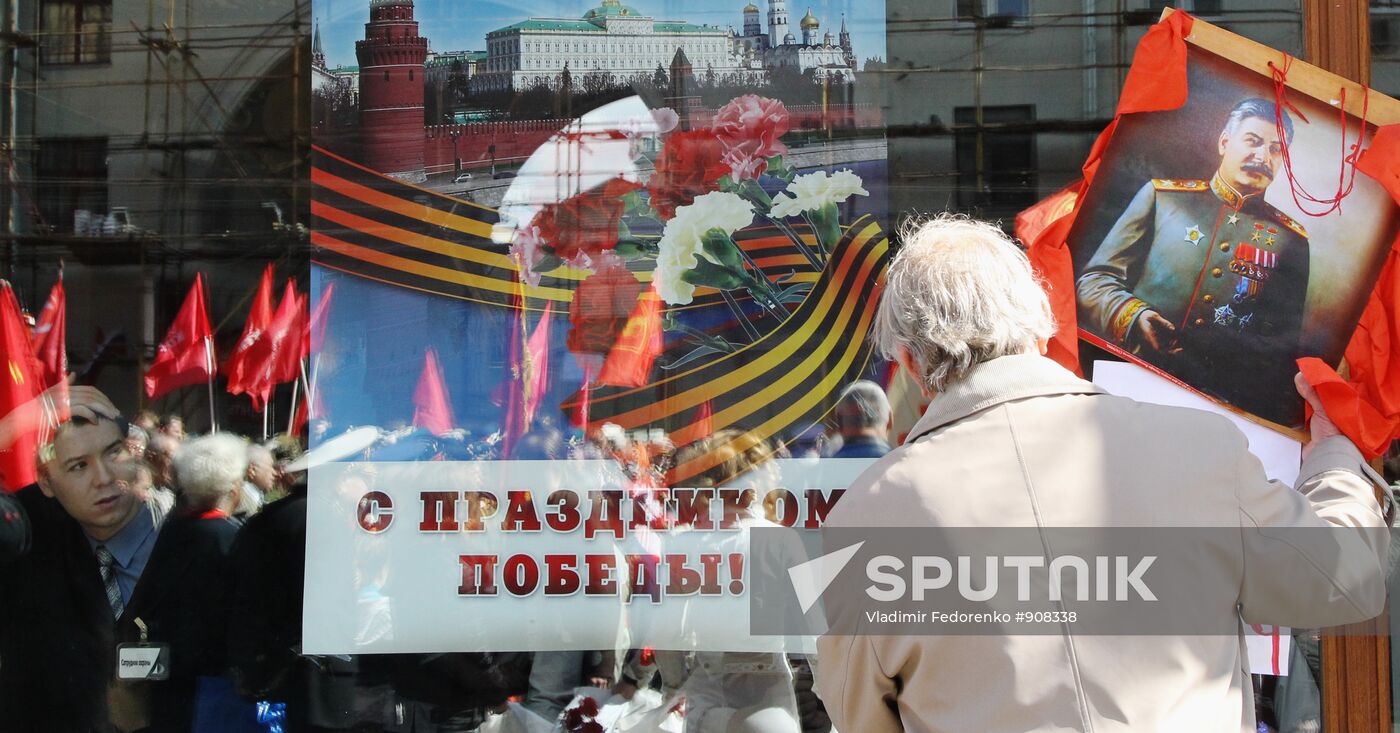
pixel 139 534
pixel 154 581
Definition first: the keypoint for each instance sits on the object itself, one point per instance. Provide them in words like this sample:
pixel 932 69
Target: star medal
pixel 1194 234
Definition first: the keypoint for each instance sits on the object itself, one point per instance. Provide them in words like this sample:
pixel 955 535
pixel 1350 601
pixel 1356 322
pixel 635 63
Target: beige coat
pixel 1021 442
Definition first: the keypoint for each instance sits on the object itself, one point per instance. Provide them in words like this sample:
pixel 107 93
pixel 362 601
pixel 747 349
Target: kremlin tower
pixel 391 90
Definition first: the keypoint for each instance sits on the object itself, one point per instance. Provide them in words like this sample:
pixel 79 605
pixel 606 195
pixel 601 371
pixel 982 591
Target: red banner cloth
pixel 629 361
pixel 1366 408
pixel 51 336
pixel 186 355
pixel 20 387
pixel 238 368
pixel 274 358
pixel 1156 82
pixel 432 408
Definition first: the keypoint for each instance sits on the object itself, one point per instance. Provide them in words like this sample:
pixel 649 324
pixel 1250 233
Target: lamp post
pixel 456 159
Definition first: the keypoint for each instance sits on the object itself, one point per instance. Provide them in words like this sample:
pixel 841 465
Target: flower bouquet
pixel 680 231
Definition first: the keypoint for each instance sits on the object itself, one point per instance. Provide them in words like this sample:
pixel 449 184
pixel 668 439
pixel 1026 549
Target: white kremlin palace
pixel 625 42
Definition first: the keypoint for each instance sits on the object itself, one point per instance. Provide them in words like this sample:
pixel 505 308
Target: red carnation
pixel 601 306
pixel 750 128
pixel 584 225
pixel 690 164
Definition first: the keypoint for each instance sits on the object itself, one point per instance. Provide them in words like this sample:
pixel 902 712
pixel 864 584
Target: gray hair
pixel 1261 108
pixel 862 405
pixel 959 293
pixel 208 468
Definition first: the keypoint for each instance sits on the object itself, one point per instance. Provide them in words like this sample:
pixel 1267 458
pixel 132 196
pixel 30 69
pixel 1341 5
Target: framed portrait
pixel 1201 250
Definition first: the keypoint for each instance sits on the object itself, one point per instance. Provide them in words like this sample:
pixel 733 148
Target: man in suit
pixel 90 539
pixel 1207 280
pixel 1011 439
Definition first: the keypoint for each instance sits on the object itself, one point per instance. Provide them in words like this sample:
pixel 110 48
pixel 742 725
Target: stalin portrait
pixel 1205 280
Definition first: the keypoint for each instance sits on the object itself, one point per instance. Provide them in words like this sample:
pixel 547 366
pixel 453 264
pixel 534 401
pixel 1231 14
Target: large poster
pixel 1208 248
pixel 594 284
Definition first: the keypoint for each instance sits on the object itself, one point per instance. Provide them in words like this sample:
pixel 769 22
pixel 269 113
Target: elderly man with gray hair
pixel 863 420
pixel 1012 439
pixel 191 569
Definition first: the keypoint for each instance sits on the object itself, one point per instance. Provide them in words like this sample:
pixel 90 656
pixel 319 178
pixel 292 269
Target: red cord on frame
pixel 1345 182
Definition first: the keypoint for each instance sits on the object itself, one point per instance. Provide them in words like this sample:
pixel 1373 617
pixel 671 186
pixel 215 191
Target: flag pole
pixel 292 420
pixel 264 412
pixel 209 362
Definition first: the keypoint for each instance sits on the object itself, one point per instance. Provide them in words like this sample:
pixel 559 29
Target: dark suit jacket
pixel 57 650
pixel 182 599
pixel 58 639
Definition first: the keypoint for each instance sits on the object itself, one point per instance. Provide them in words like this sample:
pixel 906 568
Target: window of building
pixel 76 31
pixel 1007 9
pixel 70 174
pixel 996 169
pixel 1197 7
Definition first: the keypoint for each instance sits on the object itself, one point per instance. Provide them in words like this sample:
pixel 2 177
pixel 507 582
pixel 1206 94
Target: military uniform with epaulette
pixel 1230 272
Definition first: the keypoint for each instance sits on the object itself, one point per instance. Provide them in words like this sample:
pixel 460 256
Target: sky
pixel 461 25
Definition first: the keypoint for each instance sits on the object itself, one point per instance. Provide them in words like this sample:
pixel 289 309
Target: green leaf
pixel 722 249
pixel 631 249
pixel 709 274
pixel 795 293
pixel 697 353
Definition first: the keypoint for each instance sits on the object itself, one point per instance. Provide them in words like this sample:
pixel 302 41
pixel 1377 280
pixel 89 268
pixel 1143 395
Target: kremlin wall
pixel 394 140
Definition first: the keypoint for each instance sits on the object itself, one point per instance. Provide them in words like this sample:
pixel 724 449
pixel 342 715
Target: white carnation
pixel 812 191
pixel 682 240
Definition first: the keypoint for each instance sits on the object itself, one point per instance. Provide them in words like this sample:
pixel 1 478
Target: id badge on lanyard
pixel 143 660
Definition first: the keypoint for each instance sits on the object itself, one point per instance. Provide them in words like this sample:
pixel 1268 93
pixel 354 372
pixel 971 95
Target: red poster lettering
pixel 520 513
pixel 478 575
pixel 600 575
pixel 818 506
pixel 521 574
pixel 376 512
pixel 606 515
pixel 561 575
pixel 565 517
pixel 643 577
pixel 439 511
pixel 709 571
pixel 684 581
pixel 693 507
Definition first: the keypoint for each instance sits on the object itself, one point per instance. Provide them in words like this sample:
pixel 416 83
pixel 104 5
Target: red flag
pixel 1031 222
pixel 186 355
pixel 629 362
pixel 1042 229
pixel 19 387
pixel 704 418
pixel 272 359
pixel 316 334
pixel 537 365
pixel 289 354
pixel 50 336
pixel 529 376
pixel 432 408
pixel 238 368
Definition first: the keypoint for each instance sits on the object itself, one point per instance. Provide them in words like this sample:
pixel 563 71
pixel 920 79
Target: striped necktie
pixel 107 564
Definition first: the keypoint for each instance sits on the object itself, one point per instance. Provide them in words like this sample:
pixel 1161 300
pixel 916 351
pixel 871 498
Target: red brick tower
pixel 391 90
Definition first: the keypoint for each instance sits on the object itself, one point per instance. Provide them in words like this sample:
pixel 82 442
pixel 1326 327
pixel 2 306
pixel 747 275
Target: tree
pixel 333 107
pixel 659 79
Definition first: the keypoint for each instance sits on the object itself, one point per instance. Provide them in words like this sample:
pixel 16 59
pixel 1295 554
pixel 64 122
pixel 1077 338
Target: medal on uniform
pixel 1194 234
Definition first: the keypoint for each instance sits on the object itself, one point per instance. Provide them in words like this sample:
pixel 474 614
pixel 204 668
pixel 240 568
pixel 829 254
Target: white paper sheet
pixel 1282 456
